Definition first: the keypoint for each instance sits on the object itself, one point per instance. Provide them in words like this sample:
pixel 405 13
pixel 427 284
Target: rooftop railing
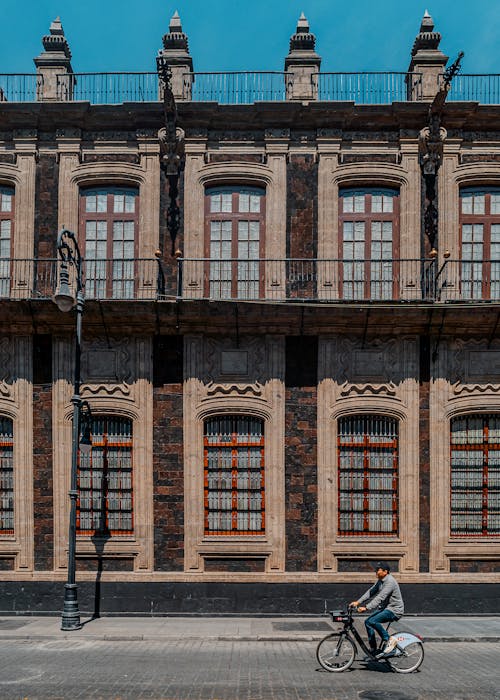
pixel 237 87
pixel 108 88
pixel 369 88
pixel 483 88
pixel 20 87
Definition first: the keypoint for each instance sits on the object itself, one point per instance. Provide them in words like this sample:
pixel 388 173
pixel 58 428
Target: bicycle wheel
pixel 408 659
pixel 336 652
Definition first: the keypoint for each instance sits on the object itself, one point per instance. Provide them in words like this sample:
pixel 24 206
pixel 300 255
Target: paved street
pixel 234 670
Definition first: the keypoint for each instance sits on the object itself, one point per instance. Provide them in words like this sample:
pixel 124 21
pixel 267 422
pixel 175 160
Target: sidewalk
pixel 432 629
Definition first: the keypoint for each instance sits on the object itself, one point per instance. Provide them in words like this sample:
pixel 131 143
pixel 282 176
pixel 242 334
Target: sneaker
pixel 389 647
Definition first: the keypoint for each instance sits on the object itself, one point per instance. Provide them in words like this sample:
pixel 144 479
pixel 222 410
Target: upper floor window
pixel 109 221
pixel 6 477
pixel 367 450
pixel 234 243
pixel 105 479
pixel 234 475
pixel 475 475
pixel 369 243
pixel 6 231
pixel 480 243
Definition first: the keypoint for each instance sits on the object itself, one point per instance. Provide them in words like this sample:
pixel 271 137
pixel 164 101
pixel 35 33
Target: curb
pixel 217 638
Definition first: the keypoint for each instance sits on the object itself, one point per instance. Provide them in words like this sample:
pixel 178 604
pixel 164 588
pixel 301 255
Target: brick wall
pixel 42 477
pixel 302 212
pixel 168 473
pixel 47 175
pixel 424 466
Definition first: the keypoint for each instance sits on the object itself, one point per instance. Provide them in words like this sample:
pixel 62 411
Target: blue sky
pixel 125 35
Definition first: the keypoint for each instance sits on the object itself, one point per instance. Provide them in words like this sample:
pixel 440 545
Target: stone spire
pixel 55 60
pixel 427 58
pixel 176 54
pixel 302 62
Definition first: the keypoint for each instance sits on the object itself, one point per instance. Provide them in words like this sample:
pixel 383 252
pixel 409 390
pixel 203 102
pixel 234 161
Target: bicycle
pixel 337 651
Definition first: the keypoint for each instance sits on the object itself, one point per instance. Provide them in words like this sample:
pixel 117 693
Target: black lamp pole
pixel 69 254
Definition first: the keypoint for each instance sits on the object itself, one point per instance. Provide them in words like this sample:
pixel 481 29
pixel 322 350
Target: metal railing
pixel 291 280
pixel 237 87
pixel 20 87
pixel 368 88
pixel 468 280
pixel 108 88
pixel 128 279
pixel 483 88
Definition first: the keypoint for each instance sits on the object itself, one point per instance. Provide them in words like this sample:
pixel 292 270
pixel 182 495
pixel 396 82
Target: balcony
pixel 368 88
pixel 20 87
pixel 483 88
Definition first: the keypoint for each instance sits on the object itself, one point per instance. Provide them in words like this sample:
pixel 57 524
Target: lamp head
pixel 63 296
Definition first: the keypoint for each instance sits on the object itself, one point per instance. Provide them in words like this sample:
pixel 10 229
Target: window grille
pixel 475 475
pixel 367 448
pixel 6 477
pixel 234 475
pixel 105 503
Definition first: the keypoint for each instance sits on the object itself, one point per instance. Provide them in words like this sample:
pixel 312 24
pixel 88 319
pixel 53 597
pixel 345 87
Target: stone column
pixel 302 63
pixel 176 54
pixel 54 66
pixel 427 59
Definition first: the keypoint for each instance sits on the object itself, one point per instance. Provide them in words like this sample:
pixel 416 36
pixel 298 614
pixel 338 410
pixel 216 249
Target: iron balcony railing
pixel 368 88
pixel 237 87
pixel 130 279
pixel 468 280
pixel 483 88
pixel 20 87
pixel 108 88
pixel 291 280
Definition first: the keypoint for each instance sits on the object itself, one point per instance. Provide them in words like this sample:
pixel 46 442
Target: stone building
pixel 299 379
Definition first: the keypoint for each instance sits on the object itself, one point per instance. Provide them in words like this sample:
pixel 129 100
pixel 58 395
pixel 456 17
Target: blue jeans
pixel 375 623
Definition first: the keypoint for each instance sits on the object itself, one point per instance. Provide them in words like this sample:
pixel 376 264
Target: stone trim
pixel 454 392
pixel 16 403
pixel 390 390
pixel 22 177
pixel 130 395
pixel 258 390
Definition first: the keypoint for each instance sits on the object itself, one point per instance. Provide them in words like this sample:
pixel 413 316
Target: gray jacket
pixel 385 595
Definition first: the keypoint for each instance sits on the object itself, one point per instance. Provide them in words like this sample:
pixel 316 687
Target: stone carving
pixel 277 133
pixel 222 360
pixel 101 363
pixel 6 358
pixel 472 368
pixel 375 370
pixel 234 389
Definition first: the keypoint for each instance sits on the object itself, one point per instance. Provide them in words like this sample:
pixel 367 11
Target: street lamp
pixel 69 254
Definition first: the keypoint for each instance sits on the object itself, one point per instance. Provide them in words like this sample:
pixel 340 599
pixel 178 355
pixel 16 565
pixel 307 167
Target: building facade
pixel 298 376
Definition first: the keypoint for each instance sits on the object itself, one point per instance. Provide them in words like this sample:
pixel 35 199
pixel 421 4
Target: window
pixel 6 477
pixel 6 226
pixel 369 244
pixel 367 447
pixel 235 242
pixel 234 475
pixel 475 475
pixel 109 219
pixel 480 243
pixel 105 479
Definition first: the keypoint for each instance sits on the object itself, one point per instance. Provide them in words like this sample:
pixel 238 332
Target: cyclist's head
pixel 382 568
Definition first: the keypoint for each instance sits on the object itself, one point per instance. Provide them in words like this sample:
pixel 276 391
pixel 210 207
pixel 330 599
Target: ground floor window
pixel 475 475
pixel 367 452
pixel 6 477
pixel 105 504
pixel 234 475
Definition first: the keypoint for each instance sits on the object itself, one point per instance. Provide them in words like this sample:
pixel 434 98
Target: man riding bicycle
pixel 385 598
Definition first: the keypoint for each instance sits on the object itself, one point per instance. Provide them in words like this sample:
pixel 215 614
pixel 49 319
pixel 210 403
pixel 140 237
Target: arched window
pixel 369 243
pixel 480 243
pixel 109 219
pixel 234 220
pixel 105 475
pixel 6 477
pixel 6 231
pixel 234 475
pixel 367 450
pixel 475 475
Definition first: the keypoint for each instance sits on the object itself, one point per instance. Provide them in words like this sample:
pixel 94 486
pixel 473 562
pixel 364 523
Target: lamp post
pixel 69 254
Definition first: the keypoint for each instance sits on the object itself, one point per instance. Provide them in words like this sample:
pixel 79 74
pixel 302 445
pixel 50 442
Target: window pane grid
pixel 234 476
pixel 6 477
pixel 475 476
pixel 105 503
pixel 368 476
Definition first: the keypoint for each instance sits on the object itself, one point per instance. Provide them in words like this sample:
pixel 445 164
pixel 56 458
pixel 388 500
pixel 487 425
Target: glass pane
pixel 6 200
